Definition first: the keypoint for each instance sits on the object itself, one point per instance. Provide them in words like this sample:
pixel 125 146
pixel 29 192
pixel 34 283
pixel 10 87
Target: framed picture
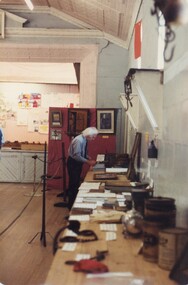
pixel 131 173
pixel 55 134
pixel 105 176
pixel 106 121
pixel 78 120
pixel 56 119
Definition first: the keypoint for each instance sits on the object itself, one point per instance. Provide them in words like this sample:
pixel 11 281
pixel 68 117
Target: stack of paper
pixel 89 185
pixel 116 170
pixel 100 158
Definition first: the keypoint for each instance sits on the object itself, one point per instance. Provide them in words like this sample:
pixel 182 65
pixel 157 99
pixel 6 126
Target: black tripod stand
pixel 43 230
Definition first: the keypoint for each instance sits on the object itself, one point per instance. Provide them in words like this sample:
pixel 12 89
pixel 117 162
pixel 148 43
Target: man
pixel 1 138
pixel 77 156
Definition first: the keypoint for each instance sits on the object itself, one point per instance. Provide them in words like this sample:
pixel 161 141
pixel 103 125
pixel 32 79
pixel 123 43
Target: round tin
pixel 171 244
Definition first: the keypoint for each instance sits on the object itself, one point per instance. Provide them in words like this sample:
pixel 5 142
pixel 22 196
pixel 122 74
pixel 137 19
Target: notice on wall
pixel 19 101
pixel 22 117
pixel 38 120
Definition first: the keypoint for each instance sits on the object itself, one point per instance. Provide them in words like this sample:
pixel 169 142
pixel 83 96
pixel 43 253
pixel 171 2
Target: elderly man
pixel 77 156
pixel 2 140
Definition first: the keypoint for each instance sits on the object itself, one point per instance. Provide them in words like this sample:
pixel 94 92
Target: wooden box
pixel 30 146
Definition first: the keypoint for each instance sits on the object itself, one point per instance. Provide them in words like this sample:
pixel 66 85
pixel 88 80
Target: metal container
pixel 171 244
pixel 161 208
pixel 151 229
pixel 139 196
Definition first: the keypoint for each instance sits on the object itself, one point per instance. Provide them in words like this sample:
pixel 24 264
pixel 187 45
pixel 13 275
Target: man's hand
pixel 91 162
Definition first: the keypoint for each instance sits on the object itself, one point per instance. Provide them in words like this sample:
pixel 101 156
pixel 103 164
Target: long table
pixel 122 256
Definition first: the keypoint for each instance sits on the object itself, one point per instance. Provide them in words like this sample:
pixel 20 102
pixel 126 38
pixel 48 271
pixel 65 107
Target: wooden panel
pixel 18 166
pixel 115 18
pixel 28 167
pixel 10 167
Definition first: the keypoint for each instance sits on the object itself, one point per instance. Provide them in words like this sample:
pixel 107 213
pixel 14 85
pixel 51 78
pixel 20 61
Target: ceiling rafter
pixel 115 18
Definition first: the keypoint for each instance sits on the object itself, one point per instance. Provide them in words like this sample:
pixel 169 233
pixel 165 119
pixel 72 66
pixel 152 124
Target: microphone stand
pixel 34 181
pixel 43 230
pixel 34 192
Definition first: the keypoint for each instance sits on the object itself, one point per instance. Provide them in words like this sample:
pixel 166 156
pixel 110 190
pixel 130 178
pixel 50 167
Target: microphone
pixel 34 156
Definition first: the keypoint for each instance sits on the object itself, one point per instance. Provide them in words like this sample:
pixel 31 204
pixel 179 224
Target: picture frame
pixel 55 134
pixel 56 119
pixel 106 121
pixel 78 120
pixel 131 172
pixel 105 176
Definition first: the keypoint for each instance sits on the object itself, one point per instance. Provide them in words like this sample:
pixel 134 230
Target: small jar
pixel 132 223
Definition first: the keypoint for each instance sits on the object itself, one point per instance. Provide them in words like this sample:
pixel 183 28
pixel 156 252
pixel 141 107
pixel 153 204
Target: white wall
pixel 111 72
pixel 88 80
pixel 169 172
pixel 19 123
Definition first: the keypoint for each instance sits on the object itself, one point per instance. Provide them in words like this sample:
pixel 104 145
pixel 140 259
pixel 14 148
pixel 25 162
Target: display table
pixel 123 255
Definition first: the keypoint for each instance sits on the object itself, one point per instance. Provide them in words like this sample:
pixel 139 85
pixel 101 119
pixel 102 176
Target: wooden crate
pixel 37 147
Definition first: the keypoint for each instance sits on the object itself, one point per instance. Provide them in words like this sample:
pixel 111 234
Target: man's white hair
pixel 91 131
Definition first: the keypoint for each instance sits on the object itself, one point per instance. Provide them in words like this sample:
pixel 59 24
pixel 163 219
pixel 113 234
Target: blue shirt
pixel 77 149
pixel 1 137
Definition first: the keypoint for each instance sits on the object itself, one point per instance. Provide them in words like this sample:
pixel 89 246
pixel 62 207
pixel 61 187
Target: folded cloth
pixel 110 216
pixel 90 266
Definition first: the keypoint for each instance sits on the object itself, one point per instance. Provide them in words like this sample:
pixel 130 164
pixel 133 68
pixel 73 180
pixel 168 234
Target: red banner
pixel 137 40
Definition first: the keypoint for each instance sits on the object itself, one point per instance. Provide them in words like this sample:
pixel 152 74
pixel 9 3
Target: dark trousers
pixel 74 171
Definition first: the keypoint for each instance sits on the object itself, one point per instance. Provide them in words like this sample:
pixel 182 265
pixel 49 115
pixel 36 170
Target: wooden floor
pixel 21 262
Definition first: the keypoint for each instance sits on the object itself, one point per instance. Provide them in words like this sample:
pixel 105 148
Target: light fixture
pixel 183 13
pixel 29 4
pixel 128 87
pixel 174 12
